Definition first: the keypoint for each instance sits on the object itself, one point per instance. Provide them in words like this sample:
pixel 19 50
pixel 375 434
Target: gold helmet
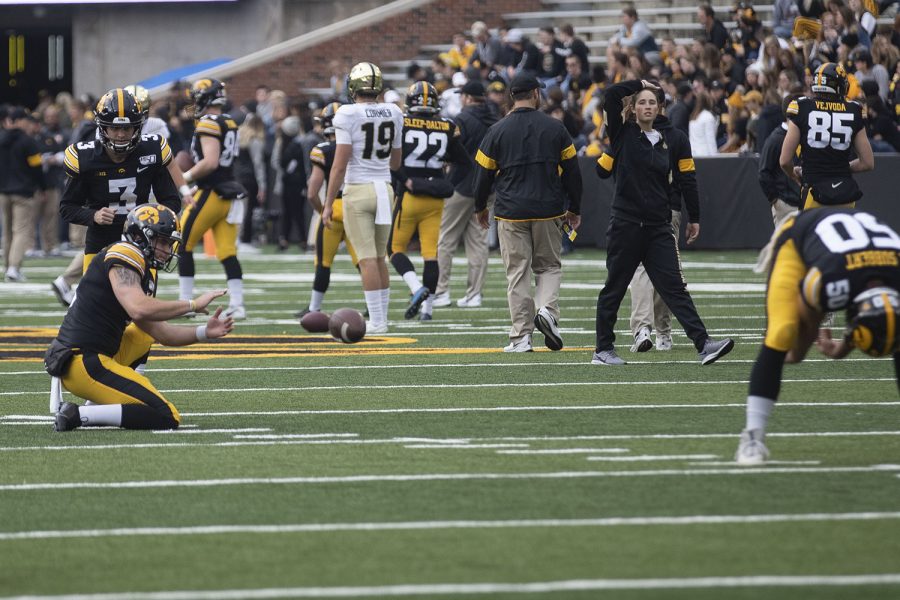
pixel 365 78
pixel 140 94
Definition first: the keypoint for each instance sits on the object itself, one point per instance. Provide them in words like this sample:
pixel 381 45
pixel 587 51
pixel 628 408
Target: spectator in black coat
pixel 714 31
pixel 293 196
pixel 781 191
pixel 680 112
pixel 574 46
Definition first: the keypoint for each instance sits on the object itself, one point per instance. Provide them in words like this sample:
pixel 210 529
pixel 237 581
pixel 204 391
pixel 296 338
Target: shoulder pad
pixel 208 125
pixel 128 255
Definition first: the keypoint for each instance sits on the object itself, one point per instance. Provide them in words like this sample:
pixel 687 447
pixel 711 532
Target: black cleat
pixel 68 417
pixel 416 302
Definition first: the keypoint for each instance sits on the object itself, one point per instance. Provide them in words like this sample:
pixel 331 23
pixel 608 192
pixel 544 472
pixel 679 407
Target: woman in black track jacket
pixel 639 226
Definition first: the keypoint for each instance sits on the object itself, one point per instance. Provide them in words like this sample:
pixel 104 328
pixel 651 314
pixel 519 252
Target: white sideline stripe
pixel 456 386
pixel 463 446
pixel 184 431
pixel 505 365
pixel 192 483
pixel 292 442
pixel 436 589
pixel 570 451
pixel 653 457
pixel 424 525
pixel 725 463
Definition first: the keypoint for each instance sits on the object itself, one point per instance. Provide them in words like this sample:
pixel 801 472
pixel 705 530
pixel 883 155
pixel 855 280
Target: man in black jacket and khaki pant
pixel 21 179
pixel 538 191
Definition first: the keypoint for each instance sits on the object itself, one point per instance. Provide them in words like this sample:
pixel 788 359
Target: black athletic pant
pixel 628 245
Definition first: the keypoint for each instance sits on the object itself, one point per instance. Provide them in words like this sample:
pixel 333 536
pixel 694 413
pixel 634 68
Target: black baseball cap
pixel 524 83
pixel 473 88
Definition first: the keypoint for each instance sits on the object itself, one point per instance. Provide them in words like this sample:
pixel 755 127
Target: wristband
pixel 193 305
pixel 187 177
pixel 185 190
pixel 201 333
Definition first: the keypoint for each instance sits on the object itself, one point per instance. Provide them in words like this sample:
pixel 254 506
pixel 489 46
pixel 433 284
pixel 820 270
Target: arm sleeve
pixel 71 205
pixel 34 162
pixel 613 105
pixel 684 175
pixel 165 191
pixel 485 172
pixel 769 169
pixel 571 173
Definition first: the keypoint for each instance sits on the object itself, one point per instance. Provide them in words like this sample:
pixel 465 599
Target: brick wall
pixel 397 38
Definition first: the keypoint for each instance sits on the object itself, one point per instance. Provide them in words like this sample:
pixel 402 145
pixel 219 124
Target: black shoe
pixel 417 299
pixel 67 418
pixel 302 313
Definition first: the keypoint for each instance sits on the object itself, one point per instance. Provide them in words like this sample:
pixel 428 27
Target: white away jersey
pixel 373 129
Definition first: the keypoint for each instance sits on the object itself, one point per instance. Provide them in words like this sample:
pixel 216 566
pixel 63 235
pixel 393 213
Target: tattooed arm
pixel 126 285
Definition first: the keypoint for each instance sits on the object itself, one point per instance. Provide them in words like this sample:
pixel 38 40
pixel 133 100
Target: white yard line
pixel 458 386
pixel 401 440
pixel 546 451
pixel 463 446
pixel 468 524
pixel 354 479
pixel 235 430
pixel 442 589
pixel 654 457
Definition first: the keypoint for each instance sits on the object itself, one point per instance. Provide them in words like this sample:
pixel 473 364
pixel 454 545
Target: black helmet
pixel 872 321
pixel 147 222
pixel 207 92
pixel 326 117
pixel 118 108
pixel 422 97
pixel 830 78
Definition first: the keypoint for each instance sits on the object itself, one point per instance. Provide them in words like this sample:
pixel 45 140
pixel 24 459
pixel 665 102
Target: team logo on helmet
pixel 830 78
pixel 149 222
pixel 872 322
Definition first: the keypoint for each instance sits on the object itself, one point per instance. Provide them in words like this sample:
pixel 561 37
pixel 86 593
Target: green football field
pixel 427 463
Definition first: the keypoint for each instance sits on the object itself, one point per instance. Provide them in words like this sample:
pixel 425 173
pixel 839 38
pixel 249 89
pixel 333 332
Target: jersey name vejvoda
pixel 827 129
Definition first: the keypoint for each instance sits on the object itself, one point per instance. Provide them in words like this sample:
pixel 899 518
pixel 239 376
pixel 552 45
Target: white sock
pixel 385 301
pixel 758 411
pixel 185 288
pixel 315 303
pixel 412 280
pixel 101 414
pixel 376 310
pixel 428 304
pixel 236 292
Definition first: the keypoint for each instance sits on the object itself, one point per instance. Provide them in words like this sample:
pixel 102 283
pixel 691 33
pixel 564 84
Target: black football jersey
pixel 842 249
pixel 827 129
pixel 323 156
pixel 95 181
pixel 224 129
pixel 96 321
pixel 429 141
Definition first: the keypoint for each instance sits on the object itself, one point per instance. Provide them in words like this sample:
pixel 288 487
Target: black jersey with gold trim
pixel 842 249
pixel 224 129
pixel 323 157
pixel 827 129
pixel 430 141
pixel 96 181
pixel 96 321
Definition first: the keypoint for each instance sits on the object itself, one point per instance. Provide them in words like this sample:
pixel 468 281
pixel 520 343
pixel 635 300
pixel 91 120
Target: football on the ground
pixel 315 322
pixel 347 325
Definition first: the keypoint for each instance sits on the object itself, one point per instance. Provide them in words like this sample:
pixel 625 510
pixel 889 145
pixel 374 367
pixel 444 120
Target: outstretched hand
pixel 830 347
pixel 204 299
pixel 217 326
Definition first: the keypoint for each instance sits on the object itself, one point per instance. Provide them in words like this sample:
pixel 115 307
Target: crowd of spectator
pixel 724 89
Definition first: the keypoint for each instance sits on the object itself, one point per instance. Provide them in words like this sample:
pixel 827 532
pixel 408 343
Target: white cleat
pixel 469 301
pixel 373 329
pixel 442 299
pixel 752 451
pixel 237 313
pixel 663 342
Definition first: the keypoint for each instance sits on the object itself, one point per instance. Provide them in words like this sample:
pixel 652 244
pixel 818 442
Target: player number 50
pixel 857 231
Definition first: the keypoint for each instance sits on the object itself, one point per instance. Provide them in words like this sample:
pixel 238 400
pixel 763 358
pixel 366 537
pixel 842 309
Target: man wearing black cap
pixel 458 219
pixel 538 190
pixel 21 179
